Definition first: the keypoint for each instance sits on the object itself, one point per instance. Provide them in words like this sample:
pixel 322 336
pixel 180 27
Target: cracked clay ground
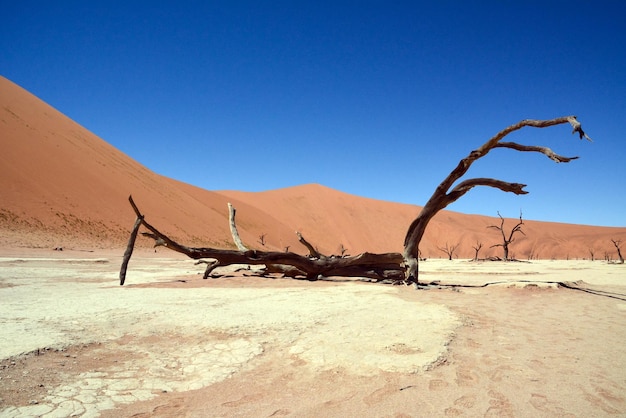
pixel 170 344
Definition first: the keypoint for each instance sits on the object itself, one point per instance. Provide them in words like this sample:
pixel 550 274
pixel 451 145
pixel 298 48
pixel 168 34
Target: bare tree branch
pixel 533 148
pixel 233 228
pixel 466 185
pixel 577 128
pixel 312 251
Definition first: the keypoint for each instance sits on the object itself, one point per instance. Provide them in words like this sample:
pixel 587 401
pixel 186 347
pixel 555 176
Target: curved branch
pixel 466 185
pixel 313 253
pixel 499 228
pixel 534 148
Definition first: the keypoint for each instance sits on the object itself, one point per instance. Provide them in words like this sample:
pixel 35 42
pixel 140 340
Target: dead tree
pixel 262 239
pixel 477 248
pixel 618 244
pixel 390 266
pixel 507 241
pixel 445 194
pixel 449 250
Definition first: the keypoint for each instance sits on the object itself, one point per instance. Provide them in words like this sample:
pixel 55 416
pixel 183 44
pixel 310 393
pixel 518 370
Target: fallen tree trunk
pixel 389 266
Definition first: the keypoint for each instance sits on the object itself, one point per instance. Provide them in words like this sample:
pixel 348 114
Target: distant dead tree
pixel 389 266
pixel 477 248
pixel 343 250
pixel 532 253
pixel 262 239
pixel 507 241
pixel 449 250
pixel 592 253
pixel 618 244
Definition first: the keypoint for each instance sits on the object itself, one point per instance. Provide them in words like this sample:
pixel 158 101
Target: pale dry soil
pixel 75 343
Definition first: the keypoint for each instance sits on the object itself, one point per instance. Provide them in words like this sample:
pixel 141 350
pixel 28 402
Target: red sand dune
pixel 61 185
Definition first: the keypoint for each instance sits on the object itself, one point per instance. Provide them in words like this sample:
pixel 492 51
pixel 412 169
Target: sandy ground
pixel 171 344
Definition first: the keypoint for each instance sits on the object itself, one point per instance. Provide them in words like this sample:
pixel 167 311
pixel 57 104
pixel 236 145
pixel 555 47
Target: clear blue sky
pixel 375 98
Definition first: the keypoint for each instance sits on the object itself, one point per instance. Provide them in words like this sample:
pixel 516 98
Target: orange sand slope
pixel 61 185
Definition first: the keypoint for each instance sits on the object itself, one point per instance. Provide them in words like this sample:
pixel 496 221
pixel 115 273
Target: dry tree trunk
pixel 618 244
pixel 129 248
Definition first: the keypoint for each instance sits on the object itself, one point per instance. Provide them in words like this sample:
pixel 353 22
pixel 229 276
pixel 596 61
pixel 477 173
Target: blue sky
pixel 375 98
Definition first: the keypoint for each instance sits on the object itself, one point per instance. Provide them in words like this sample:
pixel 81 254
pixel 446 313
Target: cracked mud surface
pixel 171 344
pixel 85 380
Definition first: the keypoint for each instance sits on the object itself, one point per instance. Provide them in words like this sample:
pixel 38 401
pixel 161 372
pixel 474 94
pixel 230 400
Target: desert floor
pixel 171 344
